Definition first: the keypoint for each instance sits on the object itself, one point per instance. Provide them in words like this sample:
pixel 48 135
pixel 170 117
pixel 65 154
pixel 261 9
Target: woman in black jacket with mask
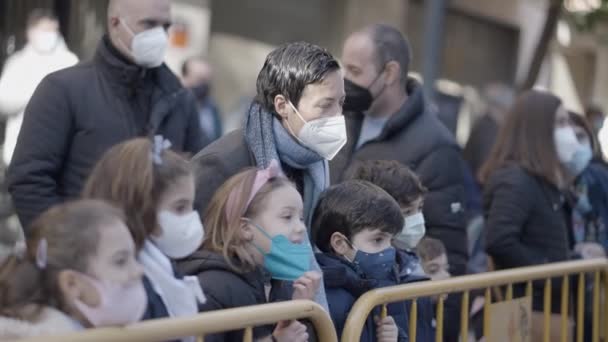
pixel 525 177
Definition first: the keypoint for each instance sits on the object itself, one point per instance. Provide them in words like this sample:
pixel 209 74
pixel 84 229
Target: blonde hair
pixel 223 218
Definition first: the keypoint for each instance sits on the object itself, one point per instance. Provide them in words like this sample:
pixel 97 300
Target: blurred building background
pixel 484 40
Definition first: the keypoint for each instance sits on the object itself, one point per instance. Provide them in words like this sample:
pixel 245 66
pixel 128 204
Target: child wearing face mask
pixel 354 225
pixel 78 272
pixel 255 224
pixel 403 185
pixel 155 188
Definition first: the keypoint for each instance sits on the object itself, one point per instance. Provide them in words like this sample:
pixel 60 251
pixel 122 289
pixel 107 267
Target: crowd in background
pixel 342 179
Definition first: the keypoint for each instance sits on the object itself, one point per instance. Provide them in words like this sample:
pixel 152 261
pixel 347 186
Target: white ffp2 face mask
pixel 326 136
pixel 181 235
pixel 148 47
pixel 45 41
pixel 413 231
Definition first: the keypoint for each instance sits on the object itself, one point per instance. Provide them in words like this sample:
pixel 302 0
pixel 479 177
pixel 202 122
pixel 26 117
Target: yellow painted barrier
pixel 486 281
pixel 208 323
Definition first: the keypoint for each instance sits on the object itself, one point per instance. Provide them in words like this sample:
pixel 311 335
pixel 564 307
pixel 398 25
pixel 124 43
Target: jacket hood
pixel 339 273
pixel 50 322
pixel 203 260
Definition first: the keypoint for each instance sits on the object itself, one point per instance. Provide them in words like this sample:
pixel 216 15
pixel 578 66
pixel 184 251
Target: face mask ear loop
pixel 352 247
pixel 261 231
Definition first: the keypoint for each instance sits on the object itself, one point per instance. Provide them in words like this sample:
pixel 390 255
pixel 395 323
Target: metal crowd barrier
pixel 208 323
pixel 485 281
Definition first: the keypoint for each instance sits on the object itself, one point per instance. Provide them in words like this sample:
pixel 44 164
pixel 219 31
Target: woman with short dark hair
pixel 296 118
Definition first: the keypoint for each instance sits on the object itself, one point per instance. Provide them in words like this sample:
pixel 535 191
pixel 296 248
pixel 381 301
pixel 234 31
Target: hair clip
pixel 263 176
pixel 159 144
pixel 41 254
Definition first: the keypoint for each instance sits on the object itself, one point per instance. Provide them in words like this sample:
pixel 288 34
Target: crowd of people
pixel 341 180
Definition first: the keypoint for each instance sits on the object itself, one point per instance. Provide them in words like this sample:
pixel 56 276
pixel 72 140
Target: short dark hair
pixel 390 175
pixel 38 14
pixel 390 45
pixel 289 69
pixel 351 207
pixel 429 249
pixel 582 122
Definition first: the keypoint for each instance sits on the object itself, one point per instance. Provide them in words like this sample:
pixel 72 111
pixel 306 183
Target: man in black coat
pixel 395 124
pixel 386 118
pixel 76 114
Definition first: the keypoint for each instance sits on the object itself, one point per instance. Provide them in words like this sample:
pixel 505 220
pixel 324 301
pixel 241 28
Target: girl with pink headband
pixel 254 225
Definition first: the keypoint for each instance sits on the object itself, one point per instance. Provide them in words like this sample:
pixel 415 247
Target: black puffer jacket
pixel 225 288
pixel 525 224
pixel 78 113
pixel 416 138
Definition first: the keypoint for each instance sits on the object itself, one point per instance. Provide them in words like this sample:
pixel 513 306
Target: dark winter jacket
pixel 416 138
pixel 223 159
pixel 225 288
pixel 525 224
pixel 78 113
pixel 589 205
pixel 345 283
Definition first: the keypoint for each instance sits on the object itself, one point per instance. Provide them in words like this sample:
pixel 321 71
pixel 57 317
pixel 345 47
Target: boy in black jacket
pixel 354 225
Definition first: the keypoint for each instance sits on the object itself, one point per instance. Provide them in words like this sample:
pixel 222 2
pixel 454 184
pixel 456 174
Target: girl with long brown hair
pixel 255 223
pixel 79 270
pixel 155 188
pixel 525 180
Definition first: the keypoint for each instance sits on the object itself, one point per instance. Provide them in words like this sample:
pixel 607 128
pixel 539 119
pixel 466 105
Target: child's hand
pixel 386 329
pixel 306 286
pixel 290 331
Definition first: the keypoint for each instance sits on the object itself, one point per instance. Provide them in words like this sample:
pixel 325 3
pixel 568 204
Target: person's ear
pixel 114 21
pixel 281 106
pixel 73 287
pixel 245 231
pixel 339 244
pixel 393 72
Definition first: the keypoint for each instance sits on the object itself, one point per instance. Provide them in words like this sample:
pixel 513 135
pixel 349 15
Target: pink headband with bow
pixel 261 178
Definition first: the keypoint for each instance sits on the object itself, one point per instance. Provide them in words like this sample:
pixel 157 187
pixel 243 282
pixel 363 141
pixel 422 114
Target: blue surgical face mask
pixel 379 266
pixel 580 159
pixel 285 260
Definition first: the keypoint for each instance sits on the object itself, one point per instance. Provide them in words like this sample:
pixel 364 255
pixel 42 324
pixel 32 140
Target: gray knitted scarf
pixel 268 140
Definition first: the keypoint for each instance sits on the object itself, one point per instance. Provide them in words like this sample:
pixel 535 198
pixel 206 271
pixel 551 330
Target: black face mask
pixel 201 91
pixel 358 99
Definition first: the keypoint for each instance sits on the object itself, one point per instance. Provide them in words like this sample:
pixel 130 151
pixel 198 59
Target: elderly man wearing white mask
pixel 78 113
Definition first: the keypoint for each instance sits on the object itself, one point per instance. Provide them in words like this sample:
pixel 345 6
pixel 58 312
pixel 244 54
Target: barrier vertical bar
pixel 486 312
pixel 464 316
pixel 565 292
pixel 547 311
pixel 605 271
pixel 413 320
pixel 529 289
pixel 439 319
pixel 509 292
pixel 595 337
pixel 248 335
pixel 580 311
